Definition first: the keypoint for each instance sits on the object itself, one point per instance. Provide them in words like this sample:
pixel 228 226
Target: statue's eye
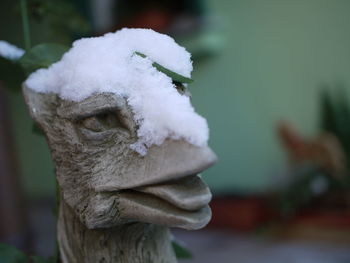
pixel 102 122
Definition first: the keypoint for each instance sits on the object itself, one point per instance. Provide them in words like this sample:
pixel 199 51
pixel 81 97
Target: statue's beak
pixel 182 203
pixel 168 162
pixel 168 190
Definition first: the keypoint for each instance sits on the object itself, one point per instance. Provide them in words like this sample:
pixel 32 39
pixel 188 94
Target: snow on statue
pixel 109 64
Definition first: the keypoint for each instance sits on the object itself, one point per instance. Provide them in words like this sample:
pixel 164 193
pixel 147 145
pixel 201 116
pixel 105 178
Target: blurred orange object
pixel 155 18
pixel 244 214
pixel 324 150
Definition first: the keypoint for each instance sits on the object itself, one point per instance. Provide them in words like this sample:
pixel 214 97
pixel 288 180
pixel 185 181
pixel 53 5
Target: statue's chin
pixel 182 203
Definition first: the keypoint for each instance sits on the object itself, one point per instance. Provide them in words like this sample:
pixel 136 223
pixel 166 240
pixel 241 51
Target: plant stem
pixel 25 23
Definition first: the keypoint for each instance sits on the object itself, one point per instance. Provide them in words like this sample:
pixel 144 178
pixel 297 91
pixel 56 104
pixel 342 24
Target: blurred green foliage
pixel 9 254
pixel 63 18
pixel 335 117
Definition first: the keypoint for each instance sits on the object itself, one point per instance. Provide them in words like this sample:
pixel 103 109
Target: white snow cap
pixel 10 51
pixel 109 64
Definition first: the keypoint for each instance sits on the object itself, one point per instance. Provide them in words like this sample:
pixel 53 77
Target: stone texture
pixel 116 205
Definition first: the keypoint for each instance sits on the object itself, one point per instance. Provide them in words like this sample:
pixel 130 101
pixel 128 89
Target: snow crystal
pixel 109 64
pixel 10 51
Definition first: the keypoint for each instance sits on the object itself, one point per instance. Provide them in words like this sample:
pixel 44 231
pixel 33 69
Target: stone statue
pixel 116 205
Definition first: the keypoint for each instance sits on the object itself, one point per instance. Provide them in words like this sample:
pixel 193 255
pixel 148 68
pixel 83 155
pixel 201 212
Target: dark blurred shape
pixel 189 22
pixel 14 226
pixel 320 225
pixel 162 16
pixel 335 116
pixel 11 74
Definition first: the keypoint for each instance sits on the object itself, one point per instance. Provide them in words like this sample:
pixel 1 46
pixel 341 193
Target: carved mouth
pixel 180 203
pixel 189 193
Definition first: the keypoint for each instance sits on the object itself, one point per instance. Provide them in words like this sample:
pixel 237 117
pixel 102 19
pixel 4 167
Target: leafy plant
pixel 335 117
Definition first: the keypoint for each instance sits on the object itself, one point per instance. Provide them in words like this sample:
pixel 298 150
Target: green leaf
pixel 171 74
pixel 180 251
pixel 42 56
pixel 10 254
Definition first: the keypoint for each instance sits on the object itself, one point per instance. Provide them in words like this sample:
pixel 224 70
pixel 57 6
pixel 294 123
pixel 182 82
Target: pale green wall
pixel 277 52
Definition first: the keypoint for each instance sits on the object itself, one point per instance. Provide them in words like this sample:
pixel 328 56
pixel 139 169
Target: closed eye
pixel 102 122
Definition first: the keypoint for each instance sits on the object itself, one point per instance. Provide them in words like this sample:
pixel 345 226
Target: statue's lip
pixel 188 193
pixel 181 203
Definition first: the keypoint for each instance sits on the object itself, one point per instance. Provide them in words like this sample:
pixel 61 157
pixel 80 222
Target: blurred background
pixel 271 77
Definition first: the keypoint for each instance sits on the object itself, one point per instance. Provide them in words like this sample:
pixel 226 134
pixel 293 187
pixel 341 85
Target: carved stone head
pixel 126 143
pixel 107 183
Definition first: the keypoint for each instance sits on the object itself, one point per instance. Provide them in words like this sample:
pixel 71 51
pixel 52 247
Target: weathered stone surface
pixel 133 242
pixel 116 205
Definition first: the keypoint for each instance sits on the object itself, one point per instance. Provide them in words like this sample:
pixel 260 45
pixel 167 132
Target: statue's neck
pixel 130 243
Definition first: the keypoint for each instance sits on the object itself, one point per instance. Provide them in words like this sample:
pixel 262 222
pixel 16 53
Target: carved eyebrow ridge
pixel 93 105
